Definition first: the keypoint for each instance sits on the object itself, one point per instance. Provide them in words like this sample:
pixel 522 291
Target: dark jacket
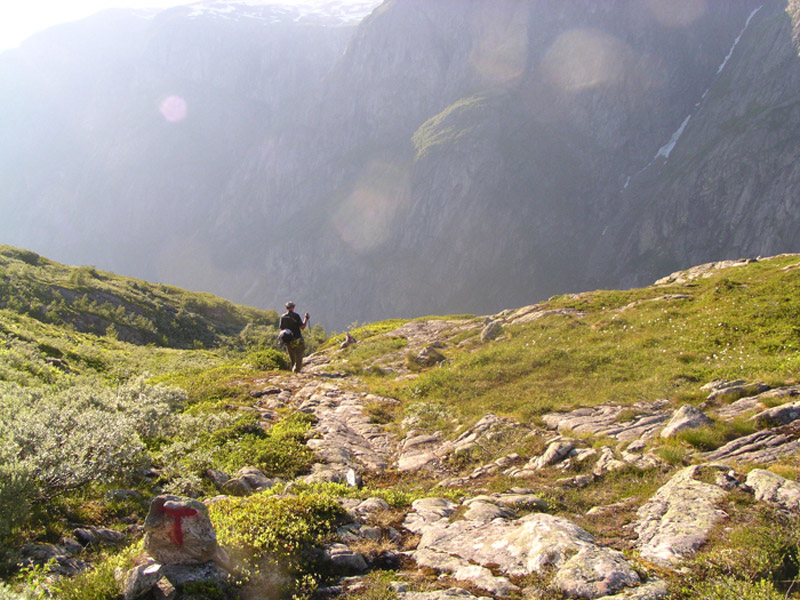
pixel 292 321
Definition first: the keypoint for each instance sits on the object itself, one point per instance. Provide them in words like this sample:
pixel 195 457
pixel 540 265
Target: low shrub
pixel 272 540
pixel 267 360
pixel 54 442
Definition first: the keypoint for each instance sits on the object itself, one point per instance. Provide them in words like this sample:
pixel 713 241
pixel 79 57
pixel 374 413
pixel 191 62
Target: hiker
pixel 296 346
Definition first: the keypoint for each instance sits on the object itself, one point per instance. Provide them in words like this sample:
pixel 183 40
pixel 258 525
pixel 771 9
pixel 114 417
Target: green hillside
pixel 171 419
pixel 92 301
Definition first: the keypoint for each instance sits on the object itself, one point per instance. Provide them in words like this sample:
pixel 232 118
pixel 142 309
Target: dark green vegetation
pixel 169 415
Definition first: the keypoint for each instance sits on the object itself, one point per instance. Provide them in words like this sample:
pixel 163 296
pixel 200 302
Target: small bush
pixel 731 588
pixel 272 539
pixel 267 360
pixel 97 583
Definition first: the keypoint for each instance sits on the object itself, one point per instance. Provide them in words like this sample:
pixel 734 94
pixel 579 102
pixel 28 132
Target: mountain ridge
pixel 297 165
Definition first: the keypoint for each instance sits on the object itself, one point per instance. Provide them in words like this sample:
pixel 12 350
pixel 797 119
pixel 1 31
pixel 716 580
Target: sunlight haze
pixel 20 20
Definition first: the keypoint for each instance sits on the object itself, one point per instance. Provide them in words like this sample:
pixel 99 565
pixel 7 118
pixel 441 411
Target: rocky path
pixel 492 543
pixel 500 528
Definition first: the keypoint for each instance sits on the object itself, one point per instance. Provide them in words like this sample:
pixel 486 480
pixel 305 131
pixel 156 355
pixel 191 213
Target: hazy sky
pixel 20 19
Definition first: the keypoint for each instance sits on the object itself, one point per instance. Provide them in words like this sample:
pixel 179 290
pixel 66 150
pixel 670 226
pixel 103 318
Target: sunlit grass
pixel 628 346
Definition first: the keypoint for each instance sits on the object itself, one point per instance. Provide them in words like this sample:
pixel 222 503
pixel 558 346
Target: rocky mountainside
pixel 440 157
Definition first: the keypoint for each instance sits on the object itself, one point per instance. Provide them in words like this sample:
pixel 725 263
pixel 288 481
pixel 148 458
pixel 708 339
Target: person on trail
pixel 296 347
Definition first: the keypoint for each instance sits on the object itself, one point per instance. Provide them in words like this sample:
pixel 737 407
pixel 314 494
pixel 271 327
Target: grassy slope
pixel 93 301
pixel 624 346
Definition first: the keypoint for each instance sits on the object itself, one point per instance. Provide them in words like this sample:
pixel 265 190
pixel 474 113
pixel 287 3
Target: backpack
pixel 285 337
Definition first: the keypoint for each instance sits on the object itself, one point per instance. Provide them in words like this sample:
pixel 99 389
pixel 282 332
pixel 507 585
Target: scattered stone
pixel 676 520
pixel 345 559
pixel 686 417
pixel 98 536
pixel 59 557
pixel 772 488
pixel 607 463
pixel 123 495
pixel 272 391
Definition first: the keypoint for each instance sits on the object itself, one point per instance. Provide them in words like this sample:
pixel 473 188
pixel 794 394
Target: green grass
pixel 627 346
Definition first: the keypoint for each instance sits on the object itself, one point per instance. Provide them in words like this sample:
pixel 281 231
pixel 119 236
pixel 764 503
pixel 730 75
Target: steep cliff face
pixel 458 155
pixel 728 184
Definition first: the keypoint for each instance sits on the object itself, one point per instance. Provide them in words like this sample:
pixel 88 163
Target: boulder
pixel 178 531
pixel 686 417
pixel 774 489
pixel 428 357
pixel 492 330
pixel 154 580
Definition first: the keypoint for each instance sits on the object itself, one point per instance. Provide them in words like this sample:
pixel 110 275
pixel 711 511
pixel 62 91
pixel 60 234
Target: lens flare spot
pixel 584 58
pixel 677 13
pixel 500 52
pixel 173 109
pixel 364 219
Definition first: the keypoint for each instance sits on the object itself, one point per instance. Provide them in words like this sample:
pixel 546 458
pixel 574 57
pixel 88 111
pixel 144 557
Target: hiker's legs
pixel 296 351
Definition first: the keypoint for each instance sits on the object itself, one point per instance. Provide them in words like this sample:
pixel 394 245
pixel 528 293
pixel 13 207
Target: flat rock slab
pixel 761 402
pixel 425 451
pixel 449 594
pixel 346 435
pixel 517 547
pixel 676 521
pixel 762 447
pixel 605 420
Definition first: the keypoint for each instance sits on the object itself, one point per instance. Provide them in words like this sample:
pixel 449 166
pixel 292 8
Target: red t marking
pixel 177 514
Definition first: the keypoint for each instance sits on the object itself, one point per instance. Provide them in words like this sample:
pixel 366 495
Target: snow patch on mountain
pixel 332 11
